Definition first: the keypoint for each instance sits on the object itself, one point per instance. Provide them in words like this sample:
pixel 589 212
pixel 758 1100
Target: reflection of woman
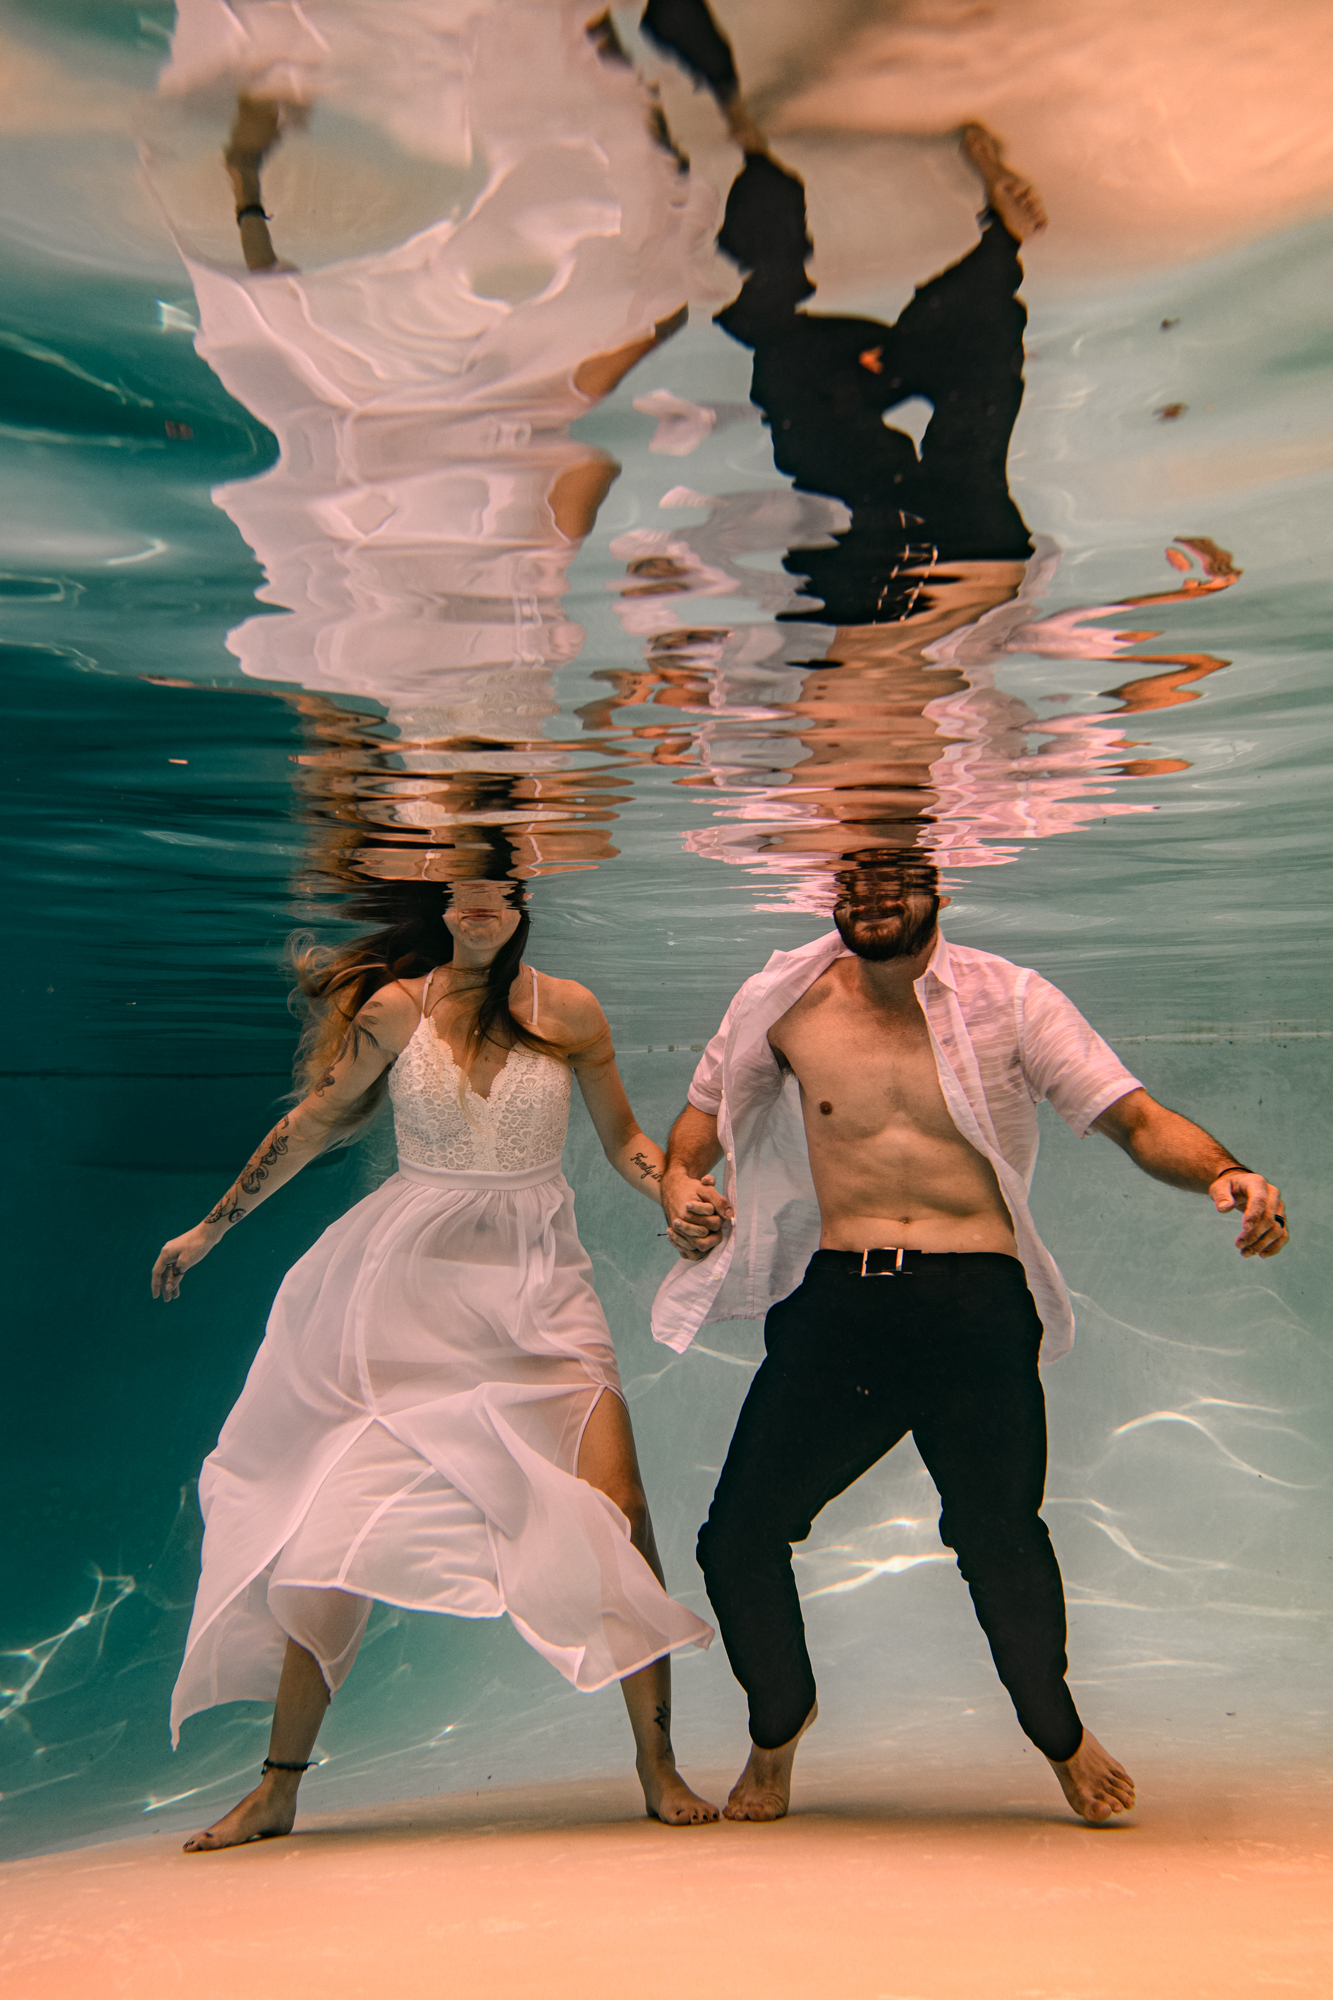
pixel 428 498
pixel 427 1421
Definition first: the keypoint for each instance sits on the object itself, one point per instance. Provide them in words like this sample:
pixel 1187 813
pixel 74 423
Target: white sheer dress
pixel 410 1427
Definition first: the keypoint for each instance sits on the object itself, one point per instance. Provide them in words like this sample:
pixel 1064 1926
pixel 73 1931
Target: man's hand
pixel 1264 1227
pixel 695 1212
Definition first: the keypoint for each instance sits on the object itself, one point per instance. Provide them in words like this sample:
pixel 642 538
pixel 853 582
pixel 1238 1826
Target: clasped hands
pixel 695 1211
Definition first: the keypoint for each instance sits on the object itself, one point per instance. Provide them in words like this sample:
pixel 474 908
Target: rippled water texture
pixel 430 545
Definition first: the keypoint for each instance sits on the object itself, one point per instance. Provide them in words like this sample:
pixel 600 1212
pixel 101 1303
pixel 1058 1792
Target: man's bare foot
pixel 763 1789
pixel 266 1813
pixel 1014 200
pixel 1094 1784
pixel 669 1798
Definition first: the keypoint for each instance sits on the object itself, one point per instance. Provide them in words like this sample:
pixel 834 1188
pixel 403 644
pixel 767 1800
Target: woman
pixel 428 1419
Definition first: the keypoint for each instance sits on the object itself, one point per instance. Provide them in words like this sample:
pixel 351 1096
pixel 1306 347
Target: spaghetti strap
pixel 425 991
pixel 533 970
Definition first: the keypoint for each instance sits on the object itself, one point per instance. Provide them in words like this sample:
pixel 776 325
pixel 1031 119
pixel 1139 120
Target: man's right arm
pixel 691 1150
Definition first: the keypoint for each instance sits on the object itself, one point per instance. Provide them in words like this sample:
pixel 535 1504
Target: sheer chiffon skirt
pixel 409 1431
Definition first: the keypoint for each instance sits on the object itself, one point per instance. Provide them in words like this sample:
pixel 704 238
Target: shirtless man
pixel 918 1065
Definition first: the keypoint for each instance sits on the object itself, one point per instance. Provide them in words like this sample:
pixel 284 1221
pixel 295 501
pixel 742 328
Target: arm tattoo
pixel 231 1208
pixel 357 1034
pixel 227 1210
pixel 360 1032
pixel 647 1171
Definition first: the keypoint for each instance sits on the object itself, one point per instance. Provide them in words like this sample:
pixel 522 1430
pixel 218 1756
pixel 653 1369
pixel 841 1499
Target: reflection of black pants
pixel 825 381
pixel 687 30
pixel 946 1349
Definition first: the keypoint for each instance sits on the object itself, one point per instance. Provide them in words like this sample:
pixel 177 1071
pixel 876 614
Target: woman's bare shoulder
pixel 569 1003
pixel 400 989
pixel 394 1010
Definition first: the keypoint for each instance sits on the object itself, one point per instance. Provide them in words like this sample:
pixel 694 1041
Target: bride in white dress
pixel 435 1418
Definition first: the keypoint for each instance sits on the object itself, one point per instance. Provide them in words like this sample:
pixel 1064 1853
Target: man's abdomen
pixel 909 1191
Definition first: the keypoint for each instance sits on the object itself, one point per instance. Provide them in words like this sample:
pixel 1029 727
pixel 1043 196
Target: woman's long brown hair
pixel 412 940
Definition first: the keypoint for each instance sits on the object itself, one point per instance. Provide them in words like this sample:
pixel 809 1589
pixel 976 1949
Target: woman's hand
pixel 175 1258
pixel 695 1211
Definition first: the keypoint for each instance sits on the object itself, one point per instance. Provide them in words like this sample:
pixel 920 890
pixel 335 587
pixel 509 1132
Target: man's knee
pixel 985 1540
pixel 744 1540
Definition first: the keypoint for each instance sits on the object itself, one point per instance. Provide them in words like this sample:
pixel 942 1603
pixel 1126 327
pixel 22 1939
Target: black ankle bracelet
pixel 253 208
pixel 272 1764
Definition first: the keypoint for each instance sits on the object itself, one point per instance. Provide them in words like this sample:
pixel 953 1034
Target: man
pixel 915 1067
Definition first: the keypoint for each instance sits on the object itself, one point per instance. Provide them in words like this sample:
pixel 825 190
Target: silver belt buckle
pixel 897 1266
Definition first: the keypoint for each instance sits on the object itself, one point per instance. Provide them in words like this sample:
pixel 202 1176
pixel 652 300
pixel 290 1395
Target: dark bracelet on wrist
pixel 253 208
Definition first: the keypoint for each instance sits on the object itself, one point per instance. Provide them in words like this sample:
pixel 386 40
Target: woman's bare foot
pixel 1014 200
pixel 763 1789
pixel 669 1798
pixel 266 1813
pixel 1094 1784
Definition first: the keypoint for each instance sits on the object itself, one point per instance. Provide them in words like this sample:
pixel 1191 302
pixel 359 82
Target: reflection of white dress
pixel 410 1427
pixel 422 394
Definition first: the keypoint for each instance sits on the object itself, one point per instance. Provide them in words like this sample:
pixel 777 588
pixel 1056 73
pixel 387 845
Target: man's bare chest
pixel 860 1073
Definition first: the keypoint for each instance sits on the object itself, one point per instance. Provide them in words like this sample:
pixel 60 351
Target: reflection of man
pixel 923 525
pixel 917 1067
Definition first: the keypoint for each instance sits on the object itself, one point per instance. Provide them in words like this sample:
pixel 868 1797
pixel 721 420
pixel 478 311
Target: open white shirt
pixel 1003 1038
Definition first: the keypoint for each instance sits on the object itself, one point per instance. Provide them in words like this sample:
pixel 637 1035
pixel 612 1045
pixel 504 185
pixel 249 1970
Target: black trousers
pixel 824 382
pixel 947 1349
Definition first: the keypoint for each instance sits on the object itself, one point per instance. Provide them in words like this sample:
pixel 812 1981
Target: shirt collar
pixel 939 964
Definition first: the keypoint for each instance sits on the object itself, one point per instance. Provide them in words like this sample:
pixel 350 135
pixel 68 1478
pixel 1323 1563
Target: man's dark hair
pixel 906 869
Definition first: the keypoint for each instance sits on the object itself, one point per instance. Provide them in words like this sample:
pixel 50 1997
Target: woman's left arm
pixel 635 1157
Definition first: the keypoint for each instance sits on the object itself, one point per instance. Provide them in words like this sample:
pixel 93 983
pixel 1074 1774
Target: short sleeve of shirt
pixel 705 1091
pixel 1065 1060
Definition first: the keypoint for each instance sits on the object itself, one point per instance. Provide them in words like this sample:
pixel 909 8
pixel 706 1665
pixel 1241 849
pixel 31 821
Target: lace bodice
pixel 441 1122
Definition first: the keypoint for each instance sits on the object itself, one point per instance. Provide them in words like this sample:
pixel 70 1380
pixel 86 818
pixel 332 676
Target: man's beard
pixel 906 936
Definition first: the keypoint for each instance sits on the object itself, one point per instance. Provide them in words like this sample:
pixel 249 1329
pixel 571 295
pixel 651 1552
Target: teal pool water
pixel 195 770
